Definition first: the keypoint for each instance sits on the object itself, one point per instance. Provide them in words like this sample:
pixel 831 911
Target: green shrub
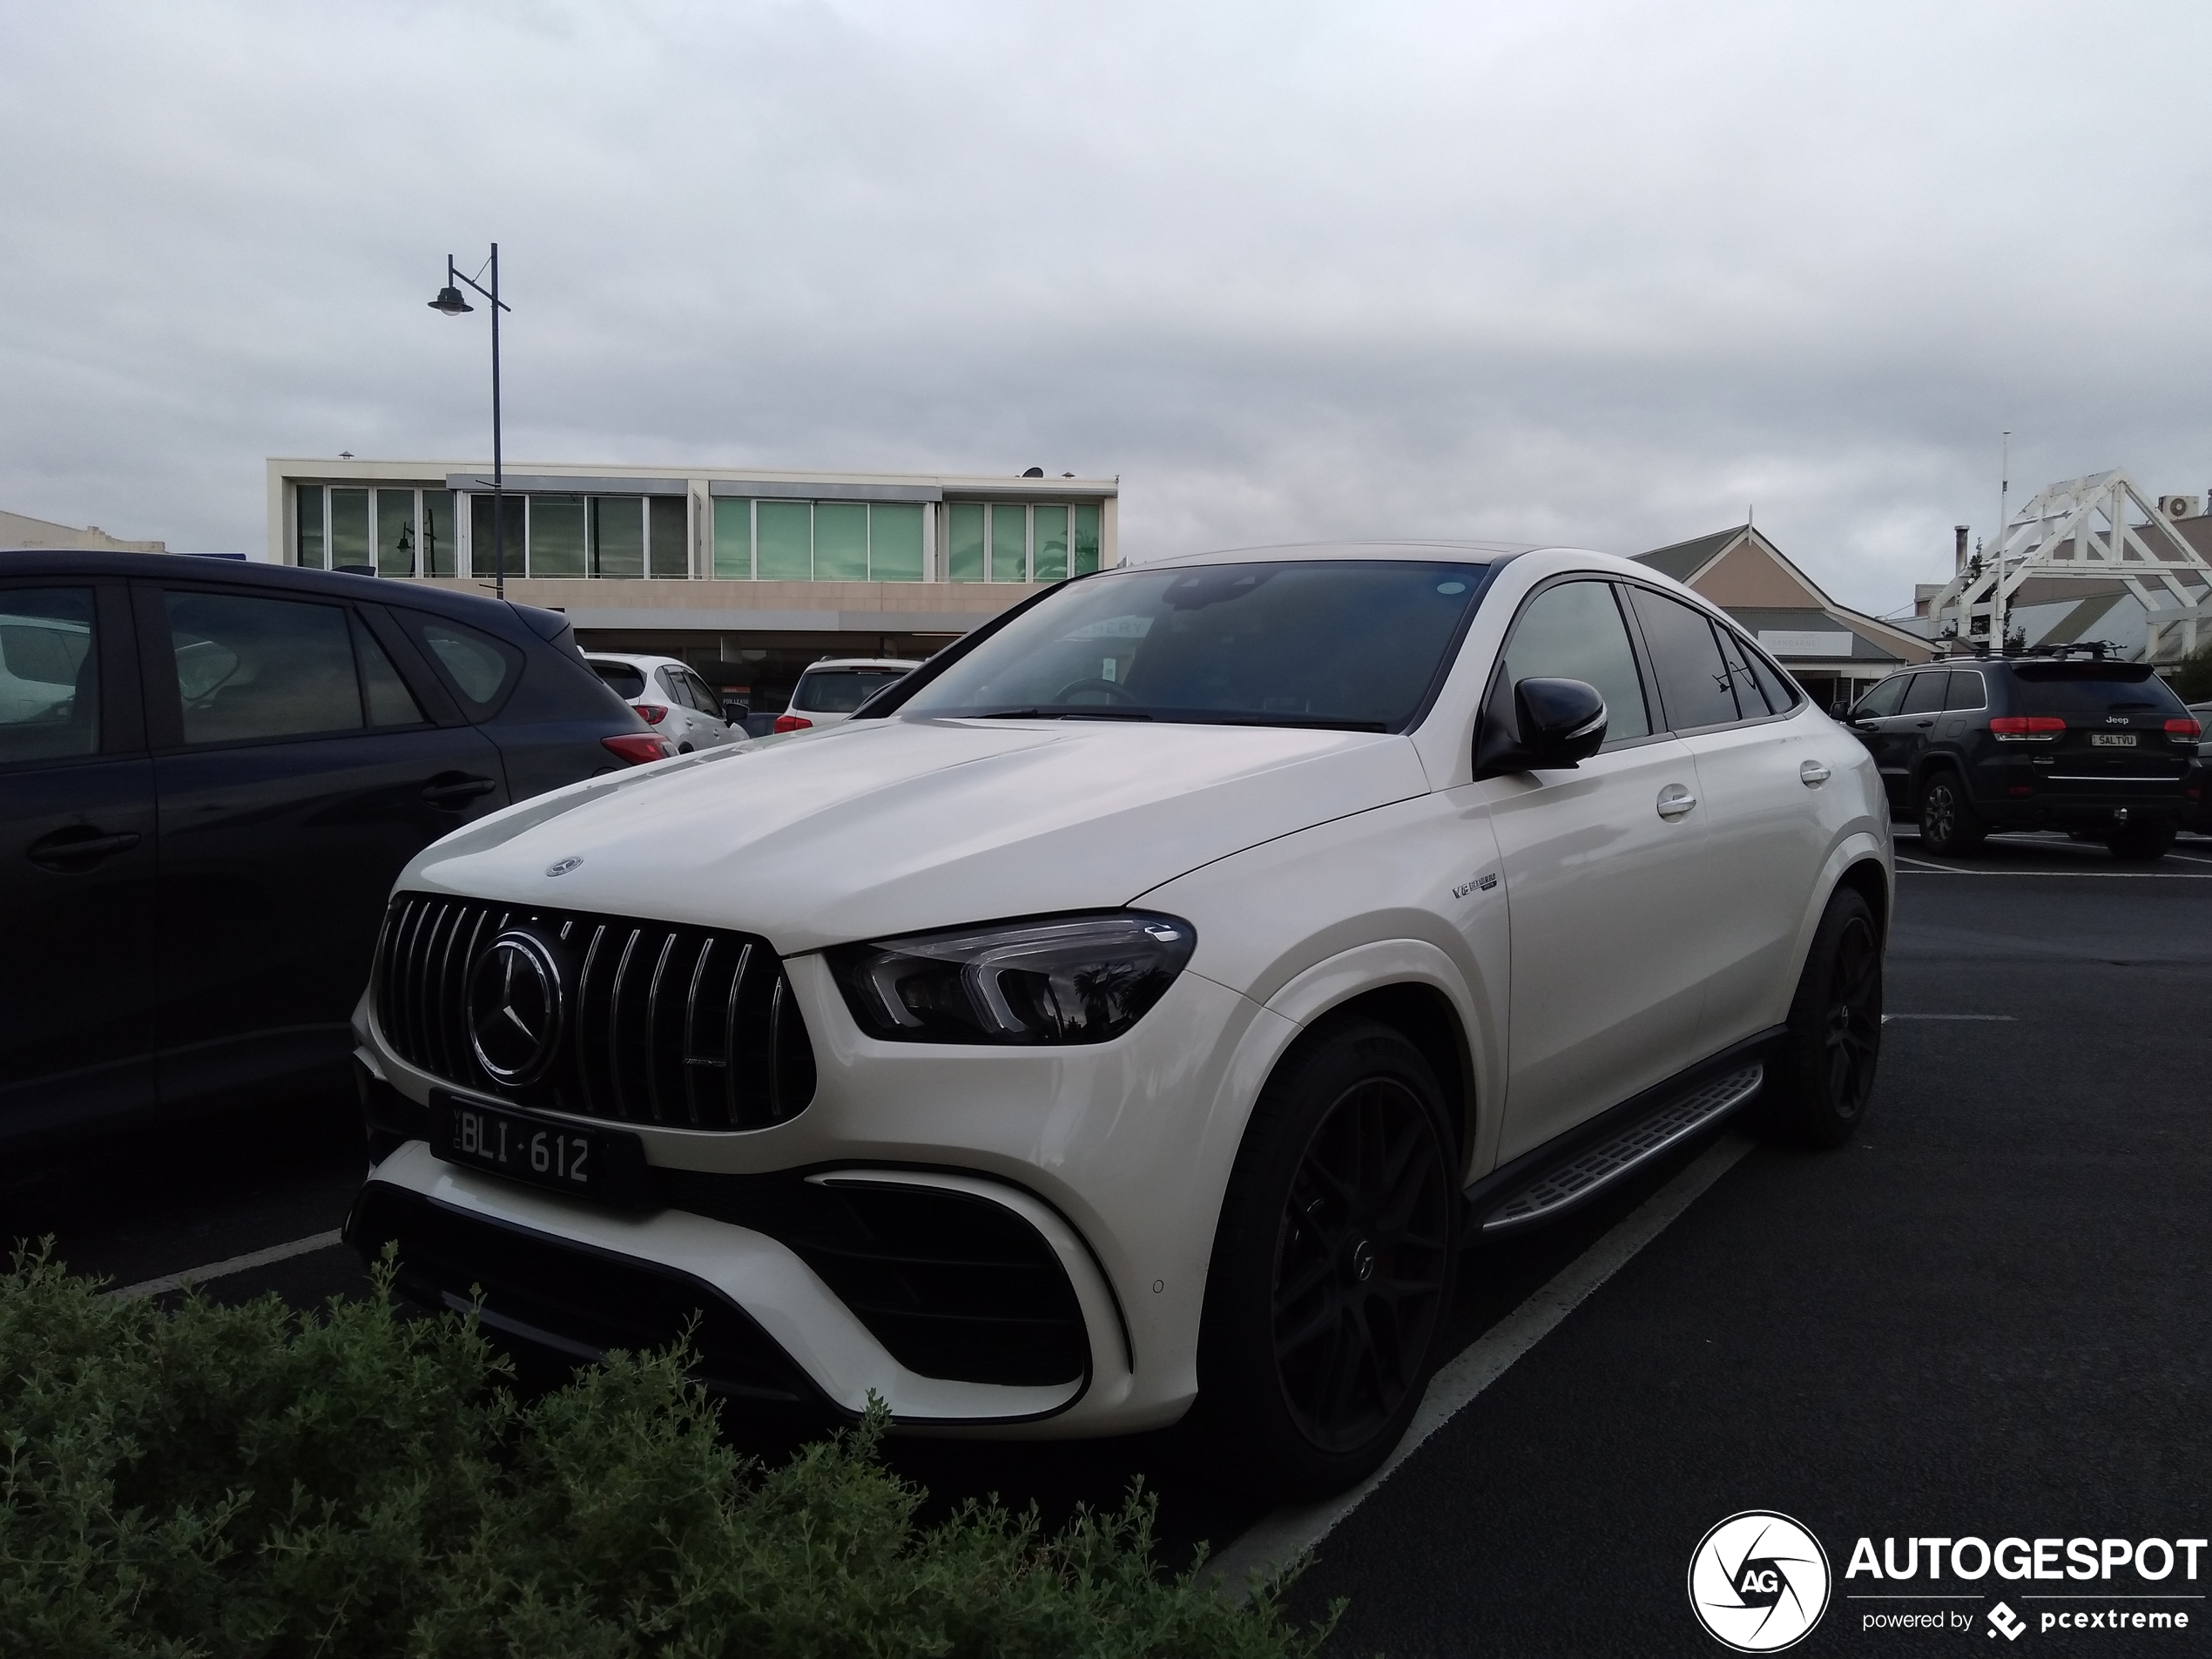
pixel 245 1480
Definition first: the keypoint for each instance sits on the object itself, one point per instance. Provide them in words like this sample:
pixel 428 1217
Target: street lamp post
pixel 451 302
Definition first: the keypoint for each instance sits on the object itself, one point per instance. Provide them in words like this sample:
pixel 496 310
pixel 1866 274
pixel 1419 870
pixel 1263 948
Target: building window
pixel 557 537
pixel 1020 542
pixel 393 532
pixel 350 541
pixel 817 541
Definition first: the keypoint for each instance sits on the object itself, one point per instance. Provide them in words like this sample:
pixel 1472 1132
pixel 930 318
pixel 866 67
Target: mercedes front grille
pixel 640 1022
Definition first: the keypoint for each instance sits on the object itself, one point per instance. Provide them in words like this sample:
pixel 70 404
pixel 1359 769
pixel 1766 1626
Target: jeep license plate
pixel 2112 739
pixel 605 1164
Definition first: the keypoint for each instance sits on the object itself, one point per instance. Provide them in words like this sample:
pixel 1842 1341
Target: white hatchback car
pixel 669 696
pixel 1140 1009
pixel 831 690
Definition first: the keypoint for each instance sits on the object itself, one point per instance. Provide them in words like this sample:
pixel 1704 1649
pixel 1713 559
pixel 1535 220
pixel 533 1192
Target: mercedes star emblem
pixel 514 1009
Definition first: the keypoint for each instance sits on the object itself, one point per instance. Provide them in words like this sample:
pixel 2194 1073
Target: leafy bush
pixel 243 1481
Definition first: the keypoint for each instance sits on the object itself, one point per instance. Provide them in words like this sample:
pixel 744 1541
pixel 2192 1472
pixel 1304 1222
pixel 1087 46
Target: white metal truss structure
pixel 2098 528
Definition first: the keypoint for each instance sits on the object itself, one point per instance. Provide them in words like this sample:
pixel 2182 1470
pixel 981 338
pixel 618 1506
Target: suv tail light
pixel 2027 728
pixel 638 747
pixel 651 713
pixel 2187 731
pixel 793 723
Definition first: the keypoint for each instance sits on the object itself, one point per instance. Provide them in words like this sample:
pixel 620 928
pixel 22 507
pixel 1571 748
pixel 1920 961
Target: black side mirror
pixel 1562 723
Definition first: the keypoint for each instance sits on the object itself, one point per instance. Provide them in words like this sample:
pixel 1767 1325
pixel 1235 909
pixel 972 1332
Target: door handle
pixel 79 844
pixel 455 791
pixel 1675 801
pixel 1813 774
pixel 1924 724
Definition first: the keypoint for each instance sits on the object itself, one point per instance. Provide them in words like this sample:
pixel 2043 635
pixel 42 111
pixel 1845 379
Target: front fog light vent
pixel 1061 980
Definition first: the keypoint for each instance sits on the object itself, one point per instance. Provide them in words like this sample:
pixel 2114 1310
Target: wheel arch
pixel 1871 882
pixel 1414 989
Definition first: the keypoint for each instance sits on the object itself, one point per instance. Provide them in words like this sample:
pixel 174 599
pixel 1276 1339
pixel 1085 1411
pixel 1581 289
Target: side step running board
pixel 1579 1177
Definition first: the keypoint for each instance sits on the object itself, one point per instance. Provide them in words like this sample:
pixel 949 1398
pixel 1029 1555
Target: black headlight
pixel 1069 978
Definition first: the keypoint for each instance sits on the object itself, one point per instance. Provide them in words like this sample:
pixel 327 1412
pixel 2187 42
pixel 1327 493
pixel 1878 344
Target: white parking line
pixel 1291 1531
pixel 225 1269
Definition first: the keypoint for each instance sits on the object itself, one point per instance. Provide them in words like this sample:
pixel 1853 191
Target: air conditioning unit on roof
pixel 2177 506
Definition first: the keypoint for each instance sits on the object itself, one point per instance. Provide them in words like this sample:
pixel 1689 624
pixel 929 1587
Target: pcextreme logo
pixel 1758 1581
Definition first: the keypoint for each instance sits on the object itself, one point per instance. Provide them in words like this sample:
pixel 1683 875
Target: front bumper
pixel 1114 1157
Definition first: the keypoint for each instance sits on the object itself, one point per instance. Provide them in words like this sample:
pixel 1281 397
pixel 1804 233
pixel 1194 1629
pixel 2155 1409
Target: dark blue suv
pixel 211 774
pixel 2061 741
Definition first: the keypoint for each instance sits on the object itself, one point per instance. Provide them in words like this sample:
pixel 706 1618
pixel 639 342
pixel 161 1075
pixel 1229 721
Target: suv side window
pixel 479 668
pixel 1693 680
pixel 705 698
pixel 1925 696
pixel 1967 691
pixel 1883 700
pixel 250 668
pixel 1575 631
pixel 50 675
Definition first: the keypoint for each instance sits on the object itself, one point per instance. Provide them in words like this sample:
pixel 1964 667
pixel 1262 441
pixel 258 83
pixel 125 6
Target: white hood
pixel 892 826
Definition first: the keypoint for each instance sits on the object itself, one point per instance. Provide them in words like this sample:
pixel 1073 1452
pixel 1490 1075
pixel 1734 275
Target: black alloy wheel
pixel 1334 1265
pixel 1824 1070
pixel 1948 824
pixel 1360 1264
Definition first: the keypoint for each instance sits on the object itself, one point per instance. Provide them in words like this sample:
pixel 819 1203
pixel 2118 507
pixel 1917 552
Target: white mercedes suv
pixel 1139 1008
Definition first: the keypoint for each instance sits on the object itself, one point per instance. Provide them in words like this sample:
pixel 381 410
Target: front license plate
pixel 2112 739
pixel 605 1164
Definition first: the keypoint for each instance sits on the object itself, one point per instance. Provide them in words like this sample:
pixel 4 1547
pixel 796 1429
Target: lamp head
pixel 450 302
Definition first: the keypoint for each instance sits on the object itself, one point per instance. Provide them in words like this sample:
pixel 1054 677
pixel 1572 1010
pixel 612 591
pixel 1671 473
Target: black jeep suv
pixel 2101 748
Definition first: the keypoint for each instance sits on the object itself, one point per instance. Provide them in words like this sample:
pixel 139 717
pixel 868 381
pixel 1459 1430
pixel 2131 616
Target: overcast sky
pixel 1606 273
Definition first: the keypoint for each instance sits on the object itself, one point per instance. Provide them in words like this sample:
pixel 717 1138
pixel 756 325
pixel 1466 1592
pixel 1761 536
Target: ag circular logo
pixel 515 1008
pixel 1759 1583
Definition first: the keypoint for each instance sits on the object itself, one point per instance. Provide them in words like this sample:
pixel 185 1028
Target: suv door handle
pixel 1675 801
pixel 68 848
pixel 453 790
pixel 1924 724
pixel 1813 774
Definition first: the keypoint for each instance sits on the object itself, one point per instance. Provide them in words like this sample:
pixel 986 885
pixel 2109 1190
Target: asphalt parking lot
pixel 1986 1315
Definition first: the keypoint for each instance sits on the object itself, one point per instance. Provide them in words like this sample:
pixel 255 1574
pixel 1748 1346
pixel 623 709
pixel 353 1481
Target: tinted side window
pixel 1882 701
pixel 1751 699
pixel 705 697
pixel 49 668
pixel 1693 681
pixel 252 669
pixel 1967 690
pixel 1575 631
pixel 1926 693
pixel 481 669
pixel 1774 684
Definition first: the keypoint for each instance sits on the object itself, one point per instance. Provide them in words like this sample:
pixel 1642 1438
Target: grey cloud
pixel 1602 272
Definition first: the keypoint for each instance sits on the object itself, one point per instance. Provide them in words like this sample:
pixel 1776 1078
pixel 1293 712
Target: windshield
pixel 839 691
pixel 1348 643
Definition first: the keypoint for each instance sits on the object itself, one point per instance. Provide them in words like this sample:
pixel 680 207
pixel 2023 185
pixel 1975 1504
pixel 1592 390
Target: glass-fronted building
pixel 747 575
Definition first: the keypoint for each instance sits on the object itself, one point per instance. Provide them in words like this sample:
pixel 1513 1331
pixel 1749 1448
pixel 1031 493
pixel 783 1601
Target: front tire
pixel 1823 1075
pixel 1949 826
pixel 1333 1265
